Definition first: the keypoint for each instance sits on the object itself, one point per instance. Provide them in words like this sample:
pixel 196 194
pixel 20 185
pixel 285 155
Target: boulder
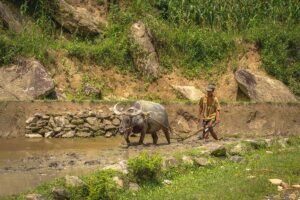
pixel 119 182
pixel 31 120
pixel 49 134
pixel 10 17
pixel 103 115
pixel 239 149
pixel 90 90
pixel 187 160
pixel 116 122
pixel 262 88
pixel 84 134
pixel 80 17
pixel 275 181
pixel 145 56
pixel 34 196
pixel 109 127
pixel 236 159
pixel 167 182
pixel 77 121
pixel 108 134
pixel 57 129
pixel 296 186
pixel 170 162
pixel 27 80
pixel 122 166
pixel 189 92
pixel 61 121
pixel 60 194
pixel 219 152
pixel 74 181
pixel 33 136
pixel 201 161
pixel 134 186
pixel 91 120
pixel 68 134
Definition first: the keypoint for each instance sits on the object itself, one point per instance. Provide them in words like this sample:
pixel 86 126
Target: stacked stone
pixel 68 125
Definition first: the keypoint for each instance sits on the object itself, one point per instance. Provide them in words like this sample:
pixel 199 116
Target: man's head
pixel 210 89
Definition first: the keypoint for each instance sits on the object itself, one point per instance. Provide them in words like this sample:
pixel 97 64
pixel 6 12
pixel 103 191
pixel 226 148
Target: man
pixel 209 112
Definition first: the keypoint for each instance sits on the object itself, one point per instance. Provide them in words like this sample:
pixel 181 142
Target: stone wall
pixel 86 123
pixel 237 120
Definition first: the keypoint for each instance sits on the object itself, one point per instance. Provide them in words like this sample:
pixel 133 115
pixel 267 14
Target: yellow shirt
pixel 209 111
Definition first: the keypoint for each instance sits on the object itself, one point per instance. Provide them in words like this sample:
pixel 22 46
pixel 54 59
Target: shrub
pixel 101 185
pixel 7 50
pixel 145 167
pixel 279 47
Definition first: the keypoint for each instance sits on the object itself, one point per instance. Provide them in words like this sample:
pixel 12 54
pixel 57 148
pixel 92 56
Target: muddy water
pixel 25 163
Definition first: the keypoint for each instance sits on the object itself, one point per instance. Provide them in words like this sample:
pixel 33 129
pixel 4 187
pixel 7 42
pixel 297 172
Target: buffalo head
pixel 127 116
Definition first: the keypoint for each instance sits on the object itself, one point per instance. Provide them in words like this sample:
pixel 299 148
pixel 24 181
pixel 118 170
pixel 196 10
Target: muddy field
pixel 25 163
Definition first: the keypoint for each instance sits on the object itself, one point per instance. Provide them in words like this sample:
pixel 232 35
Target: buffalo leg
pixel 143 133
pixel 167 134
pixel 154 137
pixel 126 136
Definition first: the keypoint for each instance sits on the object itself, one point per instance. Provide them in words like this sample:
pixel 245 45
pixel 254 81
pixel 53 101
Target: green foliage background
pixel 197 36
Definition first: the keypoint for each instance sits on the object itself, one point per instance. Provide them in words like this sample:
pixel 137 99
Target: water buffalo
pixel 144 117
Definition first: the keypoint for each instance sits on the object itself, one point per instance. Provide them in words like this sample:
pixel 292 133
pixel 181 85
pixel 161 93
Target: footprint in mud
pixel 92 162
pixel 71 162
pixel 53 165
pixel 73 155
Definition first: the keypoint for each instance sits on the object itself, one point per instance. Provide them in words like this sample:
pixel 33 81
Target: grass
pixel 228 180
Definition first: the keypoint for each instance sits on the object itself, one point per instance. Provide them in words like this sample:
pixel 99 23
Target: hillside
pixel 110 49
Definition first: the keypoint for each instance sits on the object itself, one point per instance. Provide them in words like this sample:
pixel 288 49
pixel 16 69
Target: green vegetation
pixel 198 37
pixel 145 168
pixel 230 180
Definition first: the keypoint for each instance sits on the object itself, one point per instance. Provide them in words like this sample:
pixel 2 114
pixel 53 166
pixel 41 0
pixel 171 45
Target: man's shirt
pixel 209 111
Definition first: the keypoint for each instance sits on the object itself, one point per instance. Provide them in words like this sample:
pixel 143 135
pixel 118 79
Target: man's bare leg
pixel 213 133
pixel 211 130
pixel 205 134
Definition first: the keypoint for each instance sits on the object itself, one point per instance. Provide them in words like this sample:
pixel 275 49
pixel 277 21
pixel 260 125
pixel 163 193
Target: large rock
pixel 145 56
pixel 34 196
pixel 262 88
pixel 10 17
pixel 118 181
pixel 74 181
pixel 82 17
pixel 219 152
pixel 60 194
pixel 189 92
pixel 27 80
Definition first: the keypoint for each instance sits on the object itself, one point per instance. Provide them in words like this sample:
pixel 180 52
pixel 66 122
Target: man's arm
pixel 200 110
pixel 218 108
pixel 218 116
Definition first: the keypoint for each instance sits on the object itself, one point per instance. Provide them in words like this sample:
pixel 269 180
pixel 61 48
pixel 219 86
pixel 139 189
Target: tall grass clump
pixel 228 15
pixel 145 167
pixel 101 186
pixel 196 51
pixel 279 47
